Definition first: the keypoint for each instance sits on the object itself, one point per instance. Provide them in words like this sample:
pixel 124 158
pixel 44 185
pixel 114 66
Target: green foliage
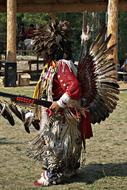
pixel 3 21
pixel 3 27
pixel 29 18
pixel 122 35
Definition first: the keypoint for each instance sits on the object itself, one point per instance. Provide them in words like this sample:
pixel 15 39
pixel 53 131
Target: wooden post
pixel 10 65
pixel 11 31
pixel 112 27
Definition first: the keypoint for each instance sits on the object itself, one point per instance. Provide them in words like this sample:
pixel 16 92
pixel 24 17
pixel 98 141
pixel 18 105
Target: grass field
pixel 106 154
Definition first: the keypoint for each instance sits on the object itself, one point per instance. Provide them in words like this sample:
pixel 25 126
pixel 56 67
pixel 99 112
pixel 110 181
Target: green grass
pixel 106 154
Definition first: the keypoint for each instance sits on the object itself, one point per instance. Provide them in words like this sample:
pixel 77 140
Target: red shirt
pixel 65 81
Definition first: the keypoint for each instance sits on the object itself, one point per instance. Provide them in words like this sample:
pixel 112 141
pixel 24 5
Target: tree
pixel 3 22
pixel 122 35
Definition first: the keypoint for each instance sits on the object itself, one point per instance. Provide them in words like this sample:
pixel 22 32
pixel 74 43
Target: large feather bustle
pixel 97 75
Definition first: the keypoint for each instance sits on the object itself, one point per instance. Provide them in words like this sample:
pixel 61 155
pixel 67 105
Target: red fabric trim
pixel 86 128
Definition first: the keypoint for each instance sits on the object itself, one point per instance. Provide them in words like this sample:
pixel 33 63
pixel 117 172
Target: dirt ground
pixel 106 154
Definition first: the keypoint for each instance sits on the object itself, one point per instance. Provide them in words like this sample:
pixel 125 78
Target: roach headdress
pixel 52 40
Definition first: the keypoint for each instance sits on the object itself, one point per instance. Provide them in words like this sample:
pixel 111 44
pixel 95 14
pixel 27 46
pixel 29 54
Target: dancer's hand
pixel 54 107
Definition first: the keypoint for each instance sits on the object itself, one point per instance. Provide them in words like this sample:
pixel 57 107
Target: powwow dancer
pixel 77 100
pixel 59 144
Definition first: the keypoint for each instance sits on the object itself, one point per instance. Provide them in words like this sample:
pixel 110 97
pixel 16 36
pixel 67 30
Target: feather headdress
pixel 50 40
